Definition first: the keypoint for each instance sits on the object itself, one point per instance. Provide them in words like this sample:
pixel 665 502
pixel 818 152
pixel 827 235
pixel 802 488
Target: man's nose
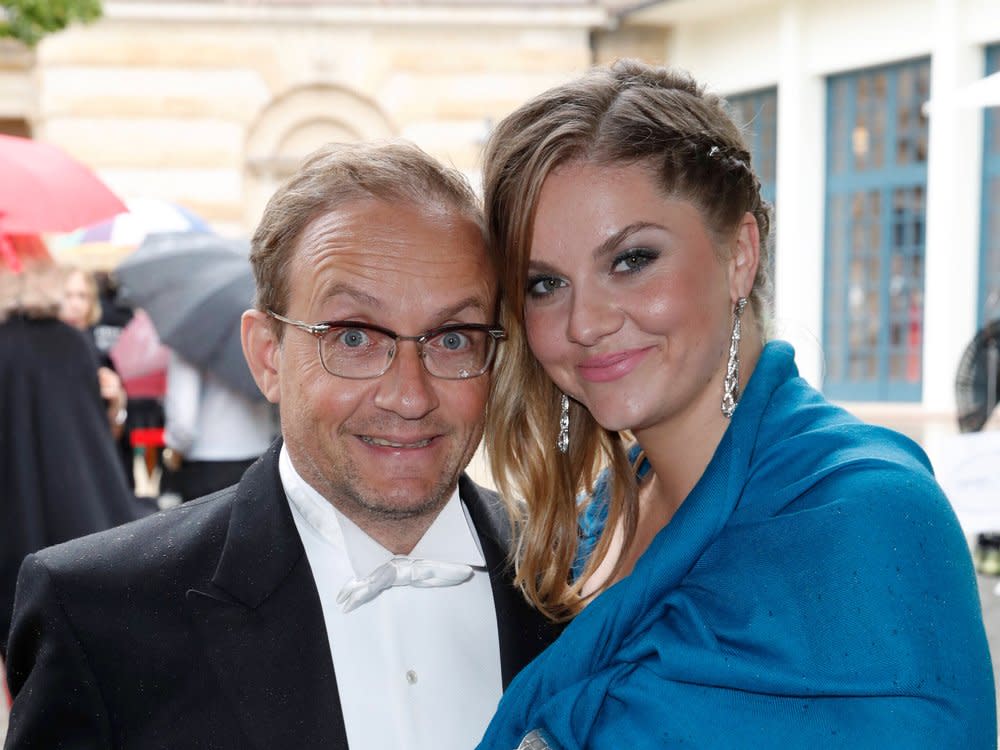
pixel 406 388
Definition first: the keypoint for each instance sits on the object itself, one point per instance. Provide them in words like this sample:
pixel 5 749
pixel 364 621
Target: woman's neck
pixel 678 451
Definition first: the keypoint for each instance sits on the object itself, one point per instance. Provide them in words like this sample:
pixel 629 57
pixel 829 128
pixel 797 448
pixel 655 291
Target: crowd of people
pixel 690 547
pixel 61 325
pixel 60 473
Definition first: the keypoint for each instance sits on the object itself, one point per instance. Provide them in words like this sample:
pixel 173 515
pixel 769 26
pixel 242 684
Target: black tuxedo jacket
pixel 201 627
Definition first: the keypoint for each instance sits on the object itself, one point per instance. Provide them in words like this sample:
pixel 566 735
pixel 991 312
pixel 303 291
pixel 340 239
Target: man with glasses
pixel 354 588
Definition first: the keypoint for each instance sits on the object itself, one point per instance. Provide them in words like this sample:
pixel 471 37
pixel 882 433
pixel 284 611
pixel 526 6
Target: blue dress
pixel 814 590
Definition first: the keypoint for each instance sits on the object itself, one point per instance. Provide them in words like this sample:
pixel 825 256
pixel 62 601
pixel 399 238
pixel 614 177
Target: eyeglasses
pixel 360 351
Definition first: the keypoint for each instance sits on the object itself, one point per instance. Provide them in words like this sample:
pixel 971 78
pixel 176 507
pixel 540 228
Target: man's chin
pixel 398 503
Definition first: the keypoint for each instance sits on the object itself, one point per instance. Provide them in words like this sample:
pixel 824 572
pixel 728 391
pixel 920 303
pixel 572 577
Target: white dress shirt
pixel 417 668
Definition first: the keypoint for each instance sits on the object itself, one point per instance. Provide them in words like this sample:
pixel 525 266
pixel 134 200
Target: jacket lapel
pixel 523 631
pixel 262 624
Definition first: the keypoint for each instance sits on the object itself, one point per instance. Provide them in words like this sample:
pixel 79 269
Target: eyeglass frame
pixel 319 330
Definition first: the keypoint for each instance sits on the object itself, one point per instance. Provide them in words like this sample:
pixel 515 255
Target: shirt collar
pixel 450 538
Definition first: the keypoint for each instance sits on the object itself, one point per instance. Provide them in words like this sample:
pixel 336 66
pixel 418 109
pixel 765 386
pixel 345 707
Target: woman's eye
pixel 542 286
pixel 633 260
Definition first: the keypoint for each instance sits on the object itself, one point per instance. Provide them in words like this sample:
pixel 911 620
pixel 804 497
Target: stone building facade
pixel 210 104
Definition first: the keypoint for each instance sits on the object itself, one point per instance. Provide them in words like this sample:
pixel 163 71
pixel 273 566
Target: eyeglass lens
pixel 362 352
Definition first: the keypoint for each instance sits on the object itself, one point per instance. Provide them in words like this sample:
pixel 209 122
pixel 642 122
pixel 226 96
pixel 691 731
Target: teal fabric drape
pixel 814 590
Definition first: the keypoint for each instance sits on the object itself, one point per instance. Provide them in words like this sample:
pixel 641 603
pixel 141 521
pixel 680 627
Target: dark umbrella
pixel 195 287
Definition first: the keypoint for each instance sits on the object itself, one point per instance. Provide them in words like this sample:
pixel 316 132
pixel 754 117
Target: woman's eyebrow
pixel 607 247
pixel 611 244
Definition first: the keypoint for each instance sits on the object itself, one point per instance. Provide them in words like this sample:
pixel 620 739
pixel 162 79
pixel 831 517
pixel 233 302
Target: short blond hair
pixel 36 290
pixel 393 171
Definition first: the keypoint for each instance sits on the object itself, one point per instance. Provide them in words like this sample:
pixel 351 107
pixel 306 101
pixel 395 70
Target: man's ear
pixel 746 256
pixel 262 351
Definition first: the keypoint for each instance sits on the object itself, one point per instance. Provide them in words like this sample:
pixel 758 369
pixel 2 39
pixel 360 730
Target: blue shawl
pixel 814 590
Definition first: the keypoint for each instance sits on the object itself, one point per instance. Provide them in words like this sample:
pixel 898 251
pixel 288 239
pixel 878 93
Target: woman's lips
pixel 608 367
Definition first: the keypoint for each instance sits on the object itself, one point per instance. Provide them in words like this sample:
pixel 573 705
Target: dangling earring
pixel 563 442
pixel 731 385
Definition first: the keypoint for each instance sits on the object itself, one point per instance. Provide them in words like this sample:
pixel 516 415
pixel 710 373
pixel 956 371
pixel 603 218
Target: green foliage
pixel 30 20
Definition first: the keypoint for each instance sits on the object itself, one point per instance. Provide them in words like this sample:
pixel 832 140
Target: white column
pixel 798 230
pixel 954 178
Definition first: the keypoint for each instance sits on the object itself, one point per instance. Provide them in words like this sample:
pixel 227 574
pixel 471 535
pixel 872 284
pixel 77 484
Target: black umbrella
pixel 195 287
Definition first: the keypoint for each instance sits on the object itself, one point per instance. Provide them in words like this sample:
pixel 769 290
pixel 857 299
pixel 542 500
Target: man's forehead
pixel 368 248
pixel 455 300
pixel 361 225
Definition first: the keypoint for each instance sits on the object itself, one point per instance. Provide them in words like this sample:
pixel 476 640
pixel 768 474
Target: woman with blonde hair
pixel 60 477
pixel 745 564
pixel 81 308
pixel 81 305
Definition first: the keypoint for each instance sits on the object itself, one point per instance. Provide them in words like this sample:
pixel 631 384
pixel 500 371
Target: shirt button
pixel 411 677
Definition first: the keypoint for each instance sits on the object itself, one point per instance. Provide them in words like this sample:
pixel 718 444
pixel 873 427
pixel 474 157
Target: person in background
pixel 81 308
pixel 141 360
pixel 116 314
pixel 59 474
pixel 354 589
pixel 750 565
pixel 212 432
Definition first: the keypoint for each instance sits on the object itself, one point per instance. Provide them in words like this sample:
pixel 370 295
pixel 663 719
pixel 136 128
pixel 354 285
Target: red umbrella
pixel 45 190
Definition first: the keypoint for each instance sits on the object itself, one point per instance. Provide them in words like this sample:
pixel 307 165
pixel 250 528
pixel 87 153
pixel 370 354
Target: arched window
pixel 297 123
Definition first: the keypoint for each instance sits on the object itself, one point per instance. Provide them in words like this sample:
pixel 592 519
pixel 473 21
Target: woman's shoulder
pixel 819 455
pixel 43 342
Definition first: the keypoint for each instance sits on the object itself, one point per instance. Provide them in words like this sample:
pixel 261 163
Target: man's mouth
pixel 384 443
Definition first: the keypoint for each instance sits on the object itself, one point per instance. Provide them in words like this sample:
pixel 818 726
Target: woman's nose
pixel 592 316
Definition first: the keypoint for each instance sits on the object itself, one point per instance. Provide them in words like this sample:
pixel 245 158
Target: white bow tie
pixel 401 571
